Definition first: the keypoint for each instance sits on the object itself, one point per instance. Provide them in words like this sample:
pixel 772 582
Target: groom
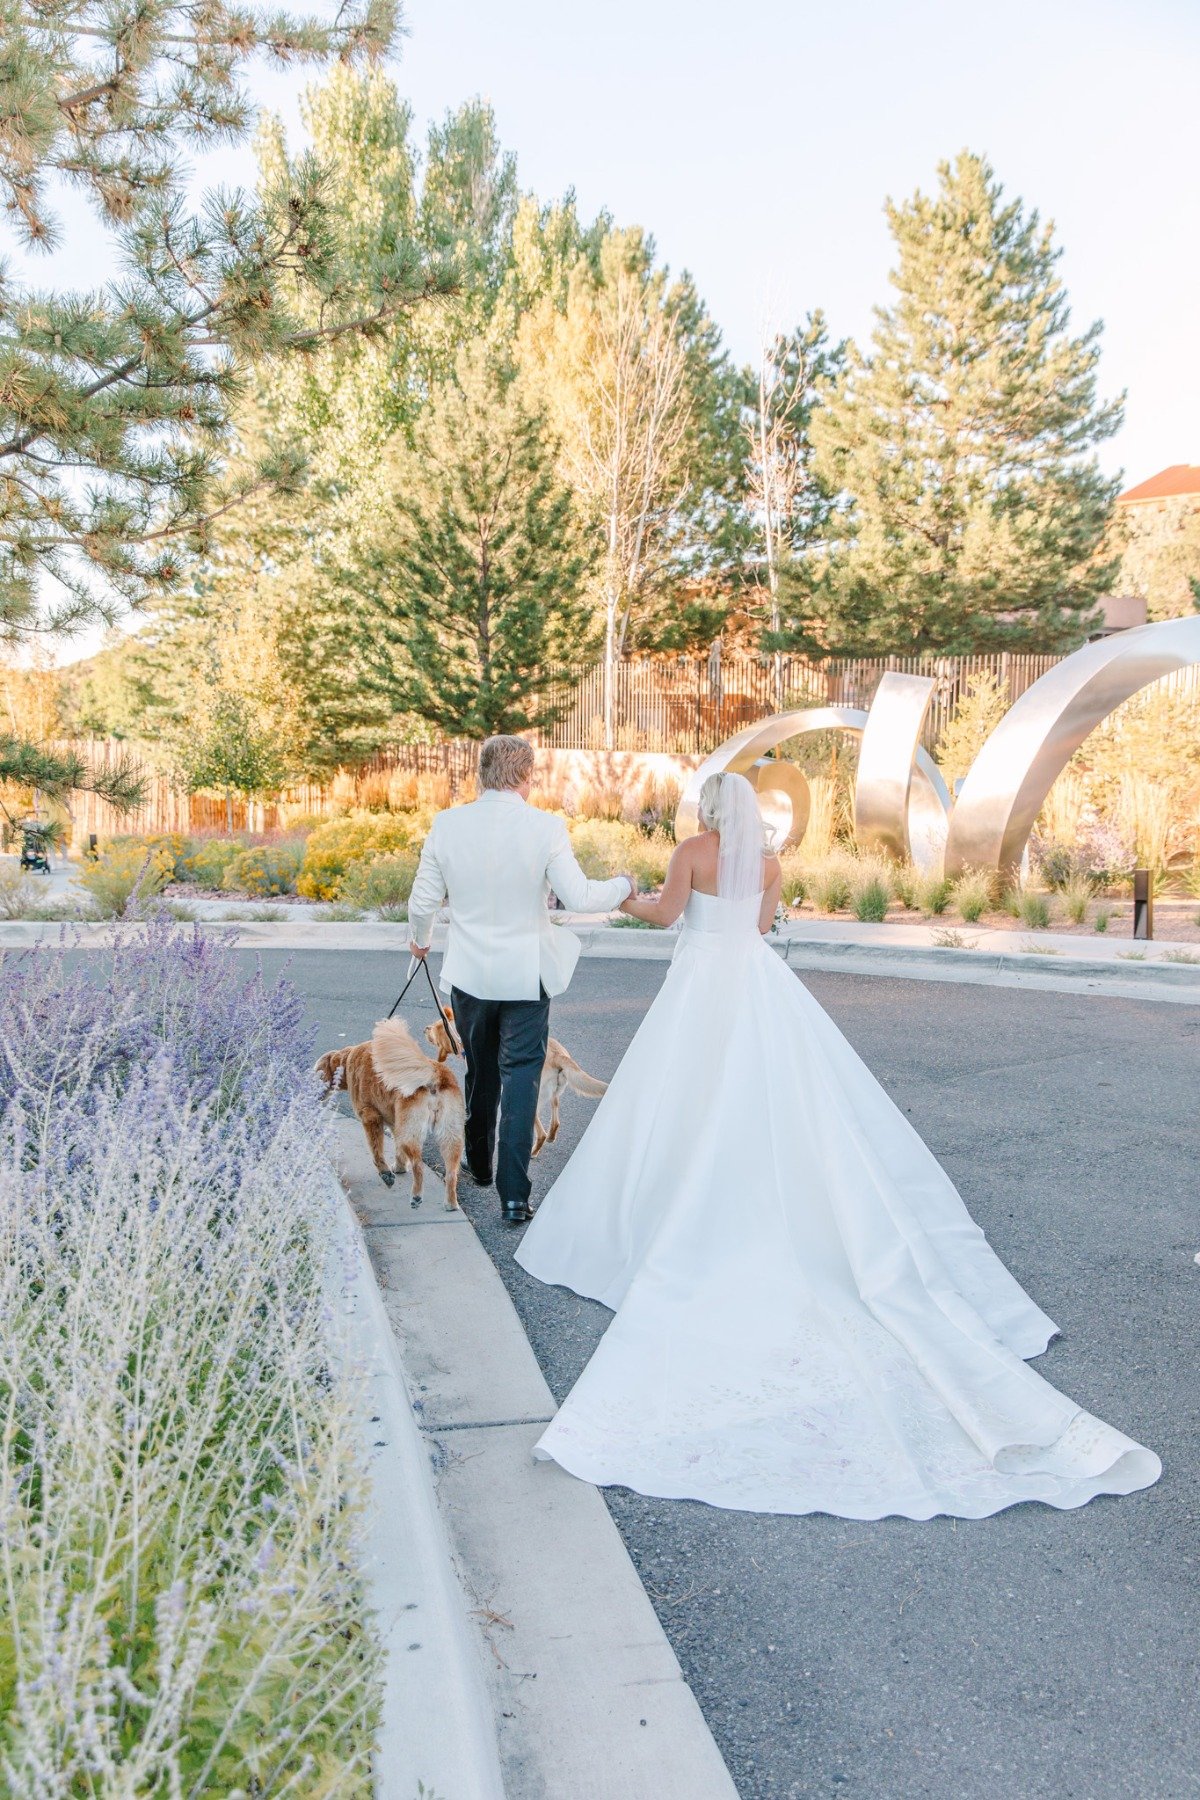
pixel 495 860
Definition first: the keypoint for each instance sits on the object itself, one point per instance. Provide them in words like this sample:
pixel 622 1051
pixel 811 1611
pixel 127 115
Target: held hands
pixel 631 895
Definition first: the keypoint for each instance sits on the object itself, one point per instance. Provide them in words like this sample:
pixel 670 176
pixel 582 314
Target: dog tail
pixel 580 1082
pixel 401 1065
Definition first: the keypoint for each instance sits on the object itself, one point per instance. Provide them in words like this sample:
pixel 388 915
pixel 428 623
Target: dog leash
pixel 421 962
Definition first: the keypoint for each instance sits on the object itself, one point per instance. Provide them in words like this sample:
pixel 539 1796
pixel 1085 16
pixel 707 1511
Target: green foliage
pixel 931 894
pixel 332 849
pixel 1141 768
pixel 608 847
pixel 974 512
pixel 1077 895
pixel 870 900
pixel 1033 909
pixel 905 880
pixel 19 894
pixel 135 381
pixel 1101 918
pixel 125 872
pixel 973 894
pixel 792 505
pixel 629 369
pixel 831 882
pixel 476 573
pixel 172 844
pixel 232 753
pixel 795 877
pixel 381 882
pixel 205 860
pixel 264 870
pixel 59 773
pixel 982 705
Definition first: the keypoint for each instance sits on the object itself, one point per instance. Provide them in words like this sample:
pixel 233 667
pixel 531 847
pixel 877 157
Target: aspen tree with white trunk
pixel 611 370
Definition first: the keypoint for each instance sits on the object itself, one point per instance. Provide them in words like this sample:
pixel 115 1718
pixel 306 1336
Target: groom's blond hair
pixel 505 762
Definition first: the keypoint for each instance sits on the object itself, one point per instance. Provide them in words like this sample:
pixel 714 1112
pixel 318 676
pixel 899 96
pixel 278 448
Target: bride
pixel 806 1318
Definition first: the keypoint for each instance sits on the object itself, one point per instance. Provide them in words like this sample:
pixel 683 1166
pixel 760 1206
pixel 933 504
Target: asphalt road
pixel 1032 1654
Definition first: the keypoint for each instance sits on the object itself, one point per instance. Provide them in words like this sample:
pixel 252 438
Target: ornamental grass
pixel 181 1479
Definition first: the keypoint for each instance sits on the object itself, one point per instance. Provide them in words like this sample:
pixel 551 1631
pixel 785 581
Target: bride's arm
pixel 773 876
pixel 674 894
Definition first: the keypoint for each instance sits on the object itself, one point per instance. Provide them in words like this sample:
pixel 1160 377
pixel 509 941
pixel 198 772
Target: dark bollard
pixel 1143 904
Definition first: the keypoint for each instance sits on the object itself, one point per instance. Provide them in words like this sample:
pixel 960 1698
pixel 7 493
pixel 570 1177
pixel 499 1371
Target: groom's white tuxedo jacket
pixel 495 860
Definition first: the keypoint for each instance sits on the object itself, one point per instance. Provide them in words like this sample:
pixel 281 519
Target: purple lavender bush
pixel 180 1465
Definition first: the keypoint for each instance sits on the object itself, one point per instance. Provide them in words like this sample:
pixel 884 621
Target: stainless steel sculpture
pixel 1007 785
pixel 743 754
pixel 901 802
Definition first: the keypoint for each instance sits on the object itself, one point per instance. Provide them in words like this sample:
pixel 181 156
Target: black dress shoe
pixel 515 1213
pixel 479 1181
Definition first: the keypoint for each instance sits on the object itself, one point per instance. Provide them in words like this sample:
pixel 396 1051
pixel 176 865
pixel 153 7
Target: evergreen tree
pixel 974 512
pixel 133 383
pixel 475 578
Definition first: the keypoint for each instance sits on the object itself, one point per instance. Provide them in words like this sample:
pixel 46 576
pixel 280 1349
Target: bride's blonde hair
pixel 728 805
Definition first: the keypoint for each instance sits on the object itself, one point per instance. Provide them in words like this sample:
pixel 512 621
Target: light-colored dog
pixel 559 1072
pixel 392 1084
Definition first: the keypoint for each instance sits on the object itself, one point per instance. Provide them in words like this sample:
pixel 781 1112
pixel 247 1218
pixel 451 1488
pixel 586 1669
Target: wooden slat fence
pixel 684 705
pixel 691 704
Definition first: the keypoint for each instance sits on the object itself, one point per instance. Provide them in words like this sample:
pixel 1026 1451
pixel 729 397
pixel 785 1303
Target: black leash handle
pixel 422 963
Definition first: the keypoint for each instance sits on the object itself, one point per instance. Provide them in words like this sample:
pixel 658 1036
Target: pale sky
pixel 758 140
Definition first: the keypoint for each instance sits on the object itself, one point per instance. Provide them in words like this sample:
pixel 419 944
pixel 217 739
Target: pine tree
pixel 792 506
pixel 974 511
pixel 133 383
pixel 475 578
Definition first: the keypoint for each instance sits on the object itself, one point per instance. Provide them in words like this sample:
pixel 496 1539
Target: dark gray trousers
pixel 504 1042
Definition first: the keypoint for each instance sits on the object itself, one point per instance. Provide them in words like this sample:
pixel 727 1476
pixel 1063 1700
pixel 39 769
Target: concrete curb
pixel 839 948
pixel 436 1725
pixel 588 1697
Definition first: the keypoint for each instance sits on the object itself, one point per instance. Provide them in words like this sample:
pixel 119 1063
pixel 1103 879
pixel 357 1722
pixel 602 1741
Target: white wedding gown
pixel 807 1319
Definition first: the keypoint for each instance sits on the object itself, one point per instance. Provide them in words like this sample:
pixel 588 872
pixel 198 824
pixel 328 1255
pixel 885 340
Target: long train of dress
pixel 807 1318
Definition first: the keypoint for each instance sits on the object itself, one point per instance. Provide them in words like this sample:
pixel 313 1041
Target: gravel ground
pixel 1032 1654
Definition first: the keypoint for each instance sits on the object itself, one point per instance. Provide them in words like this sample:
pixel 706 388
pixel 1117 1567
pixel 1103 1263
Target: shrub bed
pixel 384 882
pixel 180 1476
pixel 331 849
pixel 607 847
pixel 264 870
pixel 132 865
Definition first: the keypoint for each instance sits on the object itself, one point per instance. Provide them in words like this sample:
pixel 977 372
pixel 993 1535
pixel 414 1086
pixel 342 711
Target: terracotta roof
pixel 1180 478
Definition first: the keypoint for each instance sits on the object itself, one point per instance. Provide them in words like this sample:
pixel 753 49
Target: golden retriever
pixel 393 1084
pixel 559 1072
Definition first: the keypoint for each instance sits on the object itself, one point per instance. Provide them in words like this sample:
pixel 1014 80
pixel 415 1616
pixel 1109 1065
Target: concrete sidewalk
pixel 1047 960
pixel 587 1698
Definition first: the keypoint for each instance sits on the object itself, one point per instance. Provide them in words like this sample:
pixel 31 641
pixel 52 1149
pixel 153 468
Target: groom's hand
pixel 420 951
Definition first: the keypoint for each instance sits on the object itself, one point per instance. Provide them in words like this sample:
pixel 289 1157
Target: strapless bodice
pixel 706 914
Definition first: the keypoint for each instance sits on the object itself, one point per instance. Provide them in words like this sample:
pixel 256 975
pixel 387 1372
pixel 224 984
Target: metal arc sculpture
pixel 901 802
pixel 1006 787
pixel 891 740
